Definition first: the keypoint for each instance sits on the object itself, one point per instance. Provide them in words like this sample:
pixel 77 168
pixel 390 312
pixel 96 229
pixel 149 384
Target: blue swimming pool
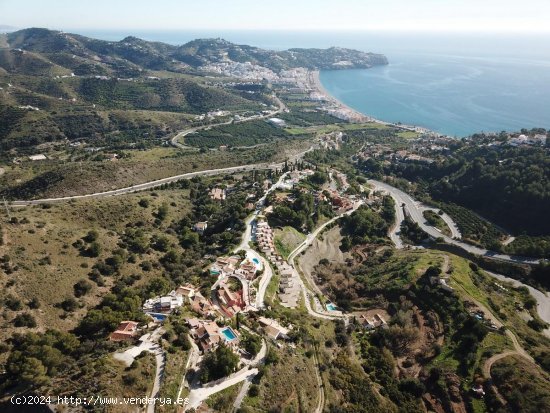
pixel 256 260
pixel 228 334
pixel 159 318
pixel 331 307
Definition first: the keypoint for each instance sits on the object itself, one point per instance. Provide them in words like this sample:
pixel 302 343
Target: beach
pixel 315 84
pixel 346 112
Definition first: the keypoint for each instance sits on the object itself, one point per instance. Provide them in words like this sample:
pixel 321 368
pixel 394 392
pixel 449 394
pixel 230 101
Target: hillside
pixel 59 87
pixel 131 55
pixel 204 51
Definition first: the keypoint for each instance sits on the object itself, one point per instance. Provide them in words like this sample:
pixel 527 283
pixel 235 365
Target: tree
pixel 251 343
pixel 162 212
pixel 32 372
pixel 160 243
pixel 91 236
pixel 254 390
pixel 219 363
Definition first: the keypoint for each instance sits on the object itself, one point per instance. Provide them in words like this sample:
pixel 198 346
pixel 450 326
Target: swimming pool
pixel 331 307
pixel 228 334
pixel 255 261
pixel 159 318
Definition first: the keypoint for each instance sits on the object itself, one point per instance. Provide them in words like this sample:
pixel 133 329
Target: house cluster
pixel 160 306
pixel 538 139
pixel 234 265
pixel 295 177
pixel 422 150
pixel 371 323
pixel 243 71
pixel 208 334
pixel 406 156
pixel 165 304
pixel 340 203
pixel 230 302
pixel 289 287
pixel 331 141
pixel 342 180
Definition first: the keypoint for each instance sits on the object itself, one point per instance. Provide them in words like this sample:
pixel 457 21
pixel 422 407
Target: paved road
pixel 159 182
pixel 159 374
pixel 395 230
pixel 148 342
pixel 199 394
pixel 291 260
pixel 175 140
pixel 415 208
pixel 247 237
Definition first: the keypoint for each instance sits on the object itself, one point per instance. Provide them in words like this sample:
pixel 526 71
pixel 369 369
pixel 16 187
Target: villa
pixel 200 227
pixel 126 330
pixel 163 304
pixel 208 335
pixel 202 306
pixel 372 323
pixel 273 329
pixel 230 302
pixel 218 194
pixel 186 291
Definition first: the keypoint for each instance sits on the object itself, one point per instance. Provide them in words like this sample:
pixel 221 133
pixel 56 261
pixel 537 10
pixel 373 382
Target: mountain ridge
pixel 189 56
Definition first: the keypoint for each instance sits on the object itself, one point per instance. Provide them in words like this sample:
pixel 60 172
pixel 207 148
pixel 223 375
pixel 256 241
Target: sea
pixel 452 83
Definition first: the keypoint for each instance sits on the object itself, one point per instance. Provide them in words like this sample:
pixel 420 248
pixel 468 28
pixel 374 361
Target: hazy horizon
pixel 466 16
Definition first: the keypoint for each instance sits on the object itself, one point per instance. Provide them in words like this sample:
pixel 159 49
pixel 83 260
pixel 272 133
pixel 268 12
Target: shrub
pixel 82 288
pixel 24 320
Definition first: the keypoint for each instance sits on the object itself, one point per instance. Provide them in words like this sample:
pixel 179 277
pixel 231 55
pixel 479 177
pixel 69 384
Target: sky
pixel 319 15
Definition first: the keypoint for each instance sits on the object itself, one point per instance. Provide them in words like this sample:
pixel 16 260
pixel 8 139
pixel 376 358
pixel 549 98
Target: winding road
pixel 175 140
pixel 295 267
pixel 415 210
pixel 153 184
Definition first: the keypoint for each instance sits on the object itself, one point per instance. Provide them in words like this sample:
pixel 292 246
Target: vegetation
pixel 527 246
pixel 218 363
pixel 368 226
pixel 435 220
pixel 286 239
pixel 236 134
pixel 497 181
pixel 298 211
pixel 474 228
pixel 523 387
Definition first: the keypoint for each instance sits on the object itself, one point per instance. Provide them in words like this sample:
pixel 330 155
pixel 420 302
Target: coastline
pixel 315 83
pixel 355 115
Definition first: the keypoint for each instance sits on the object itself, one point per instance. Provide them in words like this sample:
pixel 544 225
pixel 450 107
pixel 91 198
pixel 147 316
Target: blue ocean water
pixel 456 84
pixel 454 95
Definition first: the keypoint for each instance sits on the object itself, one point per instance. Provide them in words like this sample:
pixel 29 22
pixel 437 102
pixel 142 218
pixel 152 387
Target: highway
pixel 415 209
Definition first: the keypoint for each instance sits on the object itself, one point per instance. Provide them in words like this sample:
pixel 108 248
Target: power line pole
pixel 7 207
